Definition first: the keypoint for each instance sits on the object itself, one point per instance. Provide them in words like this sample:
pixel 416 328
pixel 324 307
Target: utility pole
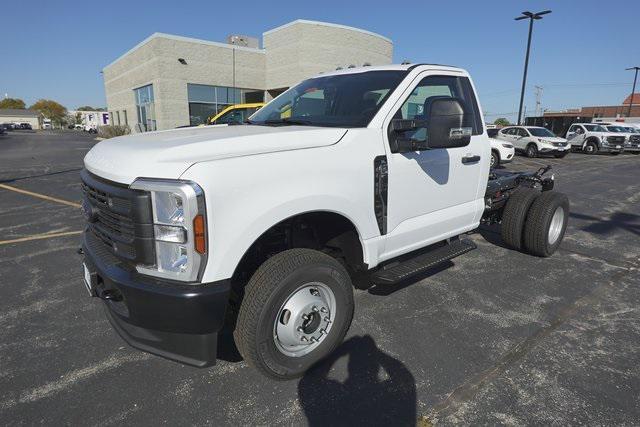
pixel 635 78
pixel 538 100
pixel 531 17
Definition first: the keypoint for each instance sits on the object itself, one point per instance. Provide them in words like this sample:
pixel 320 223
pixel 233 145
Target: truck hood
pixel 167 154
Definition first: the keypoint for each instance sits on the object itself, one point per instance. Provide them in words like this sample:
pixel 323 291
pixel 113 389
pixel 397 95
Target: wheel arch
pixel 326 230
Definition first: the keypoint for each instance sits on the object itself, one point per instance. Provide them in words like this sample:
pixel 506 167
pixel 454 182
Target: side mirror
pixel 448 125
pixel 401 143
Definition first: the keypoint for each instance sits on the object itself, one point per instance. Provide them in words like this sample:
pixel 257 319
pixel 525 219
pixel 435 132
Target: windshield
pixel 595 128
pixel 541 132
pixel 345 100
pixel 616 129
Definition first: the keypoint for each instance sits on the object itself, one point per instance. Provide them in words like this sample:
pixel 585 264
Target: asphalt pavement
pixel 494 337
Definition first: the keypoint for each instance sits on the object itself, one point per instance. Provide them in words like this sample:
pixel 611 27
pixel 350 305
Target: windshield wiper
pixel 287 121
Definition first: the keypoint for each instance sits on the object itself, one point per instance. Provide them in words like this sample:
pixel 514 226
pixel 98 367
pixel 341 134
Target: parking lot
pixel 495 336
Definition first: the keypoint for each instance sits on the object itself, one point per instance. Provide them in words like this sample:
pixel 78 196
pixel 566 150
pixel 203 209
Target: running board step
pixel 422 262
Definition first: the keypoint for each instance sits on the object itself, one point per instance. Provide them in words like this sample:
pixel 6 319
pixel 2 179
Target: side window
pixel 522 132
pixel 579 130
pixel 417 105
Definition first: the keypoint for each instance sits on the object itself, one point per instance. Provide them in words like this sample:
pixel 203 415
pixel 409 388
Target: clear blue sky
pixel 56 50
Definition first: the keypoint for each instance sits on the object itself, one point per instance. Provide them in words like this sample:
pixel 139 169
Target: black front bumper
pixel 179 322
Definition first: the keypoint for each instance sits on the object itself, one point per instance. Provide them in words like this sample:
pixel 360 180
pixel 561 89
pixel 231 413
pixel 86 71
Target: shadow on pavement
pixel 618 220
pixel 379 389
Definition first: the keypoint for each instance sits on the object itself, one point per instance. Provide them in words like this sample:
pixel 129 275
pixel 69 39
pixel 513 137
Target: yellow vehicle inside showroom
pixel 237 113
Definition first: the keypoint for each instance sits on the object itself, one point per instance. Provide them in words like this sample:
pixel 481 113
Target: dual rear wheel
pixel 535 222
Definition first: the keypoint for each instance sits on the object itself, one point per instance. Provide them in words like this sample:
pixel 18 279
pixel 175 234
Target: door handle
pixel 470 159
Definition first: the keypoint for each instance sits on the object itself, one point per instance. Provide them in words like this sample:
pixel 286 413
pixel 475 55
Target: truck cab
pixel 592 138
pixel 355 178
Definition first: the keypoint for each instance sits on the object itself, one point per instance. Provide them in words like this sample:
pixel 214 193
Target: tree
pixel 86 108
pixel 51 110
pixel 501 122
pixel 13 103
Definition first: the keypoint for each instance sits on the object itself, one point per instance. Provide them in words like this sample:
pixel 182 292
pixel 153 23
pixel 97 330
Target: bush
pixel 113 131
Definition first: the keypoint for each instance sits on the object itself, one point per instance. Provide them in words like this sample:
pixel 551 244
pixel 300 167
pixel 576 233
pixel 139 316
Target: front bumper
pixel 611 148
pixel 632 147
pixel 176 321
pixel 555 150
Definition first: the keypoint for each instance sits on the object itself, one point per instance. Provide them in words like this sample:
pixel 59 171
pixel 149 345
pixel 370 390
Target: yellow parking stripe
pixel 40 196
pixel 40 236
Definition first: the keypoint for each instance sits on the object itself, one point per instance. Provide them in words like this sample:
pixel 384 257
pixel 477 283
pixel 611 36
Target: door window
pixel 429 89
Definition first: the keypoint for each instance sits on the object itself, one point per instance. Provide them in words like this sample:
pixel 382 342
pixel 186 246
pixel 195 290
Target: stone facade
pixel 290 53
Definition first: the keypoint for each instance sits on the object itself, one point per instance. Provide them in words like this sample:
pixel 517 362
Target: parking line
pixel 39 237
pixel 41 196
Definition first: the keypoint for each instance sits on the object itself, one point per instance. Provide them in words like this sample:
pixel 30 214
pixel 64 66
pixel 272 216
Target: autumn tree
pixel 14 103
pixel 51 110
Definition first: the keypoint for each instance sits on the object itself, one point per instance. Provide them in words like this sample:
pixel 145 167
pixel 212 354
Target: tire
pixel 283 281
pixel 591 147
pixel 531 151
pixel 515 215
pixel 495 160
pixel 546 223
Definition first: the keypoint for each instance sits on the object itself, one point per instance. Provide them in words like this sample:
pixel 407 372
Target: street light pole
pixel 635 78
pixel 531 17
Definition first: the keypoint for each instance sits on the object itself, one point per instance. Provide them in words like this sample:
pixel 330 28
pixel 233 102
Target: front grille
pixel 558 144
pixel 615 139
pixel 634 138
pixel 119 218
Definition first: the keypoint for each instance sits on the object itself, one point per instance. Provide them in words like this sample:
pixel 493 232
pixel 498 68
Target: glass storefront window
pixel 145 108
pixel 206 101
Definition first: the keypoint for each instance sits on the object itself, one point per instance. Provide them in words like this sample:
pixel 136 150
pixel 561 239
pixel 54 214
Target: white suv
pixel 592 138
pixel 533 141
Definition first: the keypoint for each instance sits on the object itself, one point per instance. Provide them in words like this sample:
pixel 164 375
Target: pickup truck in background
pixel 630 133
pixel 592 138
pixel 355 178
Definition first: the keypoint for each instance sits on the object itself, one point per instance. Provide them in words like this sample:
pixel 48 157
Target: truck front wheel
pixel 296 310
pixel 546 223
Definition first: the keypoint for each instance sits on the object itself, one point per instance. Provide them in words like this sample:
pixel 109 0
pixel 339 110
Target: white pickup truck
pixel 360 177
pixel 592 138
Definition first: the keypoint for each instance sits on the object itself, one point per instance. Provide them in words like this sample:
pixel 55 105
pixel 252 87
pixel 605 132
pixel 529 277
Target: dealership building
pixel 168 81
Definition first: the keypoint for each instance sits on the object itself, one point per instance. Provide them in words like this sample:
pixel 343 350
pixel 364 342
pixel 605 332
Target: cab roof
pixel 390 67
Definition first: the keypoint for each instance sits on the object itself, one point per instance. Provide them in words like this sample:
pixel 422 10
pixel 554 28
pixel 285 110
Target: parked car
pixel 7 126
pixel 631 135
pixel 592 138
pixel 534 141
pixel 501 151
pixel 358 176
pixel 235 113
pixel 26 126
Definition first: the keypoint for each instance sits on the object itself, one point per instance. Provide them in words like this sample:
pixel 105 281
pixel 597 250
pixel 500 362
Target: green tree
pixel 501 122
pixel 13 103
pixel 51 110
pixel 86 108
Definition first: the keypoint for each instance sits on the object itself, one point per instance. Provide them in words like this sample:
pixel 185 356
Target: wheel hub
pixel 555 228
pixel 305 319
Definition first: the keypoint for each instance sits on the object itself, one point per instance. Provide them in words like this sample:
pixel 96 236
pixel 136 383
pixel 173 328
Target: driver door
pixel 575 135
pixel 435 193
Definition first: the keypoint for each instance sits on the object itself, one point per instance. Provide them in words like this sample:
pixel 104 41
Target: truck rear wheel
pixel 515 214
pixel 296 310
pixel 546 223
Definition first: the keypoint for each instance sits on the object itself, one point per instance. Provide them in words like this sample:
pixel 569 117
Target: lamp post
pixel 531 17
pixel 635 78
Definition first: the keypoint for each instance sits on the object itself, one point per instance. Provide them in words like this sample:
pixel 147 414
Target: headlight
pixel 179 227
pixel 507 145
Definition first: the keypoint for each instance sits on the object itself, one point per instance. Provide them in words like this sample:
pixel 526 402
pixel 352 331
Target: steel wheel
pixel 555 228
pixel 304 320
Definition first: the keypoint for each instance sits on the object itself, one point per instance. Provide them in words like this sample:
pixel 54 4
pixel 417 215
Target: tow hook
pixel 110 295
